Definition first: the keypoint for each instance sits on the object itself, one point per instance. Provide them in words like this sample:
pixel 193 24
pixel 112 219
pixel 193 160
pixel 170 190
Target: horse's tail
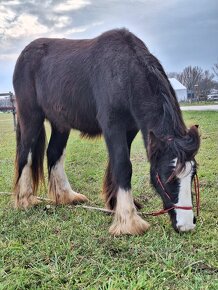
pixel 38 158
pixel 37 150
pixel 18 145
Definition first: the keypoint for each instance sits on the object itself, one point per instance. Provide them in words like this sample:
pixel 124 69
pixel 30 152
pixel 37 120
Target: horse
pixel 113 86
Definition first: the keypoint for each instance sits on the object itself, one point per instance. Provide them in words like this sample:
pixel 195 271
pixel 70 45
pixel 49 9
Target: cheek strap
pixel 169 196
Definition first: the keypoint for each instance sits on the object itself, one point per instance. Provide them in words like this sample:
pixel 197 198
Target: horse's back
pixel 76 82
pixel 55 69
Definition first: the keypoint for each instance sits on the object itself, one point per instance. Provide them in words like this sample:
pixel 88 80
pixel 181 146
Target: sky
pixel 178 32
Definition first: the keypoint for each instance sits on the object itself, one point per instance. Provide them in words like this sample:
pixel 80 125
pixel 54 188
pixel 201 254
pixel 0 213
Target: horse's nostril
pixel 194 220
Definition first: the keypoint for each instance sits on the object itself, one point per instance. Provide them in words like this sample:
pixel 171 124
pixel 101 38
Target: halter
pixel 197 194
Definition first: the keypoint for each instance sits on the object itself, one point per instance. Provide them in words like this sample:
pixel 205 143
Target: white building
pixel 180 90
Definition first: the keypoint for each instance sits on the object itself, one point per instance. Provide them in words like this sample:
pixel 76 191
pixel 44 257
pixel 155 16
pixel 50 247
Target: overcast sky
pixel 178 32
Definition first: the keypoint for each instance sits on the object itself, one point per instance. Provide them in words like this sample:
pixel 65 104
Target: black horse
pixel 110 85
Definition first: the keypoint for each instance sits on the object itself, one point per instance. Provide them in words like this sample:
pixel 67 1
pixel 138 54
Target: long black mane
pixel 170 125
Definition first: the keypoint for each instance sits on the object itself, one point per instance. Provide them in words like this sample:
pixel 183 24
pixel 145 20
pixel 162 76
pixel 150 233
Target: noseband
pixel 167 195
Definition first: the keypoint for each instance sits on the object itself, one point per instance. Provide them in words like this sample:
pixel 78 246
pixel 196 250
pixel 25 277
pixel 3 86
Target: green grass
pixel 200 103
pixel 70 248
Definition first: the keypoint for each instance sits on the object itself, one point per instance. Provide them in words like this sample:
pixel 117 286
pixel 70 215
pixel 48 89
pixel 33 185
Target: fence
pixel 8 104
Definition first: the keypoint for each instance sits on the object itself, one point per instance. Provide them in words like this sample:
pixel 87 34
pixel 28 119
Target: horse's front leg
pixel 126 219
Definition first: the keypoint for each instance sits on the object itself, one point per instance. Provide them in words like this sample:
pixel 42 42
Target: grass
pixel 199 103
pixel 69 248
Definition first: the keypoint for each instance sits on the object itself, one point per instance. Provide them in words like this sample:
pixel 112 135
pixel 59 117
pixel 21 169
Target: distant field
pixel 70 248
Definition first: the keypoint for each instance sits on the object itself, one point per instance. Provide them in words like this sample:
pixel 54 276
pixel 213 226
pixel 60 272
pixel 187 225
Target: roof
pixel 176 84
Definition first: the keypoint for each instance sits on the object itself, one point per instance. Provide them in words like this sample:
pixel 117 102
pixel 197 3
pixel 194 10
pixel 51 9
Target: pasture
pixel 70 248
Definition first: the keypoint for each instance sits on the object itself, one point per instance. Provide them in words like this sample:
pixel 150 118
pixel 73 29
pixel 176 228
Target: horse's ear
pixel 193 131
pixel 193 134
pixel 193 142
pixel 153 142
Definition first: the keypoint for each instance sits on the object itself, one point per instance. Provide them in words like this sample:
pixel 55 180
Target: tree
pixel 173 75
pixel 215 68
pixel 206 84
pixel 198 82
pixel 191 77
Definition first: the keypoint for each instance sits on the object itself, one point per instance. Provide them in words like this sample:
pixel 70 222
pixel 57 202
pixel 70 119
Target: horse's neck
pixel 160 126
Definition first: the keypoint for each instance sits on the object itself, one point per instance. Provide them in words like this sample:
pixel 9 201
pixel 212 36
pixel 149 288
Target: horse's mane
pixel 170 131
pixel 157 80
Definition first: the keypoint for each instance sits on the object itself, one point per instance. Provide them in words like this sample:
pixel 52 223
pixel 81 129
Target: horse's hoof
pixel 76 198
pixel 130 225
pixel 66 197
pixel 26 202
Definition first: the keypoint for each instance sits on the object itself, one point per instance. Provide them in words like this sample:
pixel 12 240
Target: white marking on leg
pixel 58 173
pixel 185 217
pixel 59 187
pixel 126 220
pixel 24 191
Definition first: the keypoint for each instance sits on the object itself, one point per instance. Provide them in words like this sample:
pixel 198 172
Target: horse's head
pixel 173 168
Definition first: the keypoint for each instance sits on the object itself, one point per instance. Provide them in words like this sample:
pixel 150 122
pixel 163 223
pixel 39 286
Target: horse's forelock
pixel 183 148
pixel 186 148
pixel 189 144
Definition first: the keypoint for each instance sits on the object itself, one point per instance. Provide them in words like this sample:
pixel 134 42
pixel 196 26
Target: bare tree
pixel 215 68
pixel 173 75
pixel 191 76
pixel 206 84
pixel 198 82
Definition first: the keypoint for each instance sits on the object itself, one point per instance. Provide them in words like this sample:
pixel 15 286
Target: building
pixel 180 90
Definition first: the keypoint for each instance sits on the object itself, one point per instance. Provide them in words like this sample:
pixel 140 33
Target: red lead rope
pixel 197 194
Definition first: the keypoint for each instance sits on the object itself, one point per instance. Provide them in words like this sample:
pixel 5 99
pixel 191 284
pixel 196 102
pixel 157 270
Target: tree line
pixel 198 82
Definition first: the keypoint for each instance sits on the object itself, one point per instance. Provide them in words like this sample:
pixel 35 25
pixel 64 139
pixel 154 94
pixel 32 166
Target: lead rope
pixel 155 213
pixel 197 193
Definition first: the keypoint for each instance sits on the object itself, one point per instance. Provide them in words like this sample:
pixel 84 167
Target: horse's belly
pixel 86 123
pixel 67 116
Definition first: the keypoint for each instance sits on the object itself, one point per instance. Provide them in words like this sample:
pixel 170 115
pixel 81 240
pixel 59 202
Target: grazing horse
pixel 110 85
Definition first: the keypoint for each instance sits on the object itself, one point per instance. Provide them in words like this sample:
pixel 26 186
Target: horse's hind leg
pixel 29 157
pixel 126 220
pixel 59 189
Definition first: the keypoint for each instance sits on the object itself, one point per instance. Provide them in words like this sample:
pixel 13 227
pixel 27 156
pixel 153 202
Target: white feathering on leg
pixel 126 220
pixel 59 187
